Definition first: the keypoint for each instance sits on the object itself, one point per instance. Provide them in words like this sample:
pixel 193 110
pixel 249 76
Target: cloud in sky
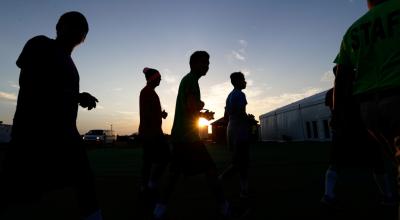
pixel 246 72
pixel 243 43
pixel 215 97
pixel 5 96
pixel 117 89
pixel 240 53
pixel 260 105
pixel 13 84
pixel 168 76
pixel 99 107
pixel 127 112
pixel 238 56
pixel 328 77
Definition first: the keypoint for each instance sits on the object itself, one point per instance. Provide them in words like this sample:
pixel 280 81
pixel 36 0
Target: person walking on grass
pixel 238 139
pixel 46 151
pixel 155 146
pixel 238 132
pixel 189 154
pixel 369 70
pixel 352 146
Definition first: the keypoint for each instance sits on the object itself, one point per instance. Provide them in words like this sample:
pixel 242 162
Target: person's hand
pixel 87 101
pixel 209 115
pixel 201 105
pixel 164 114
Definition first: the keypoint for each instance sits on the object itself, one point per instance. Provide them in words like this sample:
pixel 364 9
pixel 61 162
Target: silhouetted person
pixel 352 146
pixel 369 70
pixel 189 154
pixel 238 132
pixel 155 146
pixel 46 151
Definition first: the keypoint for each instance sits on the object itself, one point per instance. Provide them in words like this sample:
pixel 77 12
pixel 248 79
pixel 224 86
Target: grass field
pixel 286 182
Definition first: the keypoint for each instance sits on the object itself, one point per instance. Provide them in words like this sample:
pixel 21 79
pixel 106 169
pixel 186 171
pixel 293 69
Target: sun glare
pixel 203 122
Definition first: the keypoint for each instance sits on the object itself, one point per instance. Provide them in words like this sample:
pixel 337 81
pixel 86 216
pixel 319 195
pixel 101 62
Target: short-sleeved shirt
pixel 238 125
pixel 371 47
pixel 150 114
pixel 49 93
pixel 236 108
pixel 184 128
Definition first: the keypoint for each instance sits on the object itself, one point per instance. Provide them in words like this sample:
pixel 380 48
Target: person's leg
pixel 376 159
pixel 160 160
pixel 161 205
pixel 215 187
pixel 19 168
pixel 146 165
pixel 171 180
pixel 331 178
pixel 228 172
pixel 84 185
pixel 331 174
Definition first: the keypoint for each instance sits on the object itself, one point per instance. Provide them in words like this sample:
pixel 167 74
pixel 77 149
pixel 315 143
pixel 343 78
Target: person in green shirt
pixel 369 70
pixel 189 154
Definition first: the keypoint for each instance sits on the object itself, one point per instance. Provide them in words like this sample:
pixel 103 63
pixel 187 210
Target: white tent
pixel 306 119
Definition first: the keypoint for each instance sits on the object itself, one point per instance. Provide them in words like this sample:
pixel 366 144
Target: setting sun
pixel 203 122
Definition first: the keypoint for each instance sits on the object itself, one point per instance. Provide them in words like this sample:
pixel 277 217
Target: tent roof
pixel 306 102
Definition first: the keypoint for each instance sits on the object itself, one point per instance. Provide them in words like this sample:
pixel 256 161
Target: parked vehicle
pixel 100 136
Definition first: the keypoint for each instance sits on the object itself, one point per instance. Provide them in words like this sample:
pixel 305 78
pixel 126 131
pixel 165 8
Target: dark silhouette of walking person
pixel 155 146
pixel 369 70
pixel 238 138
pixel 189 154
pixel 46 152
pixel 238 132
pixel 352 146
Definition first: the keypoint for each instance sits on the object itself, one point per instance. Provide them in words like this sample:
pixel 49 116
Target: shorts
pixel 191 158
pixel 381 115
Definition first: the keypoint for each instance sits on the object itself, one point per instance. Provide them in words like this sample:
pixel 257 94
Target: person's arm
pixel 87 101
pixel 342 91
pixel 193 105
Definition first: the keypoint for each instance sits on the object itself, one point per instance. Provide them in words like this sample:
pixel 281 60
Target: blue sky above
pixel 284 47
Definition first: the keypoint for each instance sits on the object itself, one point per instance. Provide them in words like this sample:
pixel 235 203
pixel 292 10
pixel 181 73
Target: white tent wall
pixel 306 119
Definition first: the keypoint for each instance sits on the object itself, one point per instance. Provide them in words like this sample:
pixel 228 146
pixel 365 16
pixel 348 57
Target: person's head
pixel 153 77
pixel 373 3
pixel 238 81
pixel 199 62
pixel 72 28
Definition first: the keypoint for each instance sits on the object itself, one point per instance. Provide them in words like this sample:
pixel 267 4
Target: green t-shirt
pixel 371 46
pixel 185 128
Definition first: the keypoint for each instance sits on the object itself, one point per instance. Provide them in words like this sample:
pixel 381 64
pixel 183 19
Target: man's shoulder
pixel 40 40
pixel 146 92
pixel 35 49
pixel 187 81
pixel 238 93
pixel 188 77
